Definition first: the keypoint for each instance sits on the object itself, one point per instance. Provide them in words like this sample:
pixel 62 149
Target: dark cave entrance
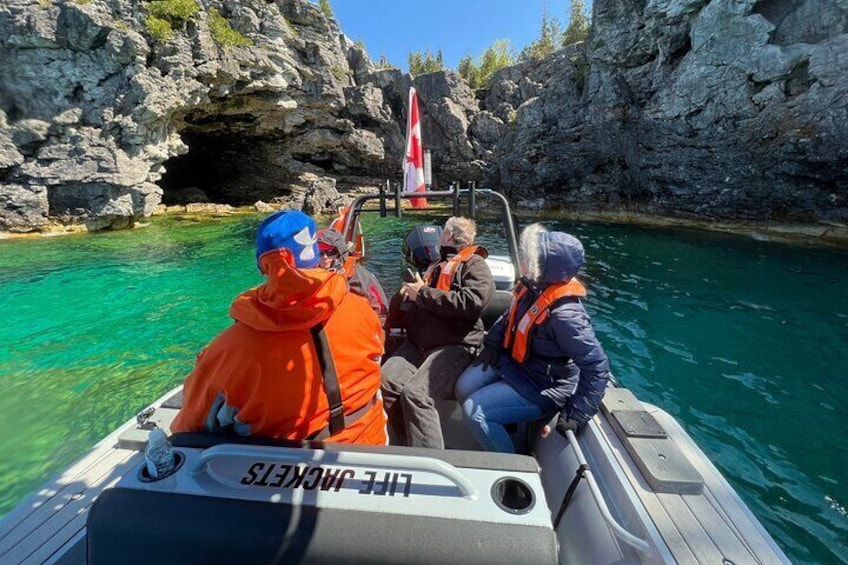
pixel 223 168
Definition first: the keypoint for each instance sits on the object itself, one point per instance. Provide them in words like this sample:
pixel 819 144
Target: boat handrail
pixel 355 458
pixel 356 207
pixel 618 530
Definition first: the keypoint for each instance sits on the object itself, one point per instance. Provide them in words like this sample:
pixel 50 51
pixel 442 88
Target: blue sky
pixel 395 28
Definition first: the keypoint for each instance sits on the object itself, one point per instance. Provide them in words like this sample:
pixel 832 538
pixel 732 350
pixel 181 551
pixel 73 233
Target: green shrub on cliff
pixel 166 17
pixel 176 12
pixel 423 63
pixel 159 29
pixel 326 8
pixel 340 73
pixel 496 57
pixel 223 33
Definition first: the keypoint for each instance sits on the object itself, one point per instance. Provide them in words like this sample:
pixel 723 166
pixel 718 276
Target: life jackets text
pixel 283 475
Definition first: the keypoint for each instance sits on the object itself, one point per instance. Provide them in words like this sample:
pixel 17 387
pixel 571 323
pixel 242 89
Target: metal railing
pixel 455 194
pixel 618 530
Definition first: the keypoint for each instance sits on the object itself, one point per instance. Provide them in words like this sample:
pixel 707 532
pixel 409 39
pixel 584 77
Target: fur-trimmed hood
pixel 549 257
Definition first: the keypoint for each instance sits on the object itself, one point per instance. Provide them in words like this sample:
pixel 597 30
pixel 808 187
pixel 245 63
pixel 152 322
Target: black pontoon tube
pixel 617 529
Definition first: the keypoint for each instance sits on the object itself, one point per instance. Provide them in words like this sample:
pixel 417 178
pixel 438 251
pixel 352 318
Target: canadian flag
pixel 413 160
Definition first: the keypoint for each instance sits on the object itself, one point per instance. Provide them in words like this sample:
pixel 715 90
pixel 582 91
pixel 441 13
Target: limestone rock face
pixel 97 115
pixel 713 108
pixel 707 108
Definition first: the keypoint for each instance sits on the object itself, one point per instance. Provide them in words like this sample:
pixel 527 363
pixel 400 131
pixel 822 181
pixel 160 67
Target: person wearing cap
pixel 335 255
pixel 443 330
pixel 301 361
pixel 541 356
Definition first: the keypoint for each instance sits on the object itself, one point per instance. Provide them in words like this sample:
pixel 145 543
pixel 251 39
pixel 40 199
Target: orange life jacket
pixel 449 266
pixel 267 370
pixel 338 222
pixel 517 335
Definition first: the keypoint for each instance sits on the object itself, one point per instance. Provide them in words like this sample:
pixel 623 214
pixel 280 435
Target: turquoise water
pixel 743 341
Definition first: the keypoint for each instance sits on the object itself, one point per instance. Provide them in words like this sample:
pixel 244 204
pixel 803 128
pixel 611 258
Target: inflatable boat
pixel 630 487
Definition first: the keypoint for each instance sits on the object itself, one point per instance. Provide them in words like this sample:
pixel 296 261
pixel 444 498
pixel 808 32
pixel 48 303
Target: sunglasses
pixel 328 253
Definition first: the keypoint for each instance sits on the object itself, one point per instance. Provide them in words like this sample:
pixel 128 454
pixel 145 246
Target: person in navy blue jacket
pixel 541 356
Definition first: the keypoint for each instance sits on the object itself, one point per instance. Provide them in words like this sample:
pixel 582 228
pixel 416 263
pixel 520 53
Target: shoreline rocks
pixel 832 235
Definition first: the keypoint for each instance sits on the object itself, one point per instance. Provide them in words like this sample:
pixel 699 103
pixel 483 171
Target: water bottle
pixel 159 455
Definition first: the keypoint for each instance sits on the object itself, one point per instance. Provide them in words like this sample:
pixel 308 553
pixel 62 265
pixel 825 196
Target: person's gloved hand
pixel 562 425
pixel 486 358
pixel 566 425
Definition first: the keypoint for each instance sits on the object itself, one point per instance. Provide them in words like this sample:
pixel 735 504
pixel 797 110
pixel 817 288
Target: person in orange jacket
pixel 301 361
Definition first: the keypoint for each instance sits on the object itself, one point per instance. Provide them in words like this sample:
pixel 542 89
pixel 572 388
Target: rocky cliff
pixel 708 108
pixel 717 109
pixel 99 113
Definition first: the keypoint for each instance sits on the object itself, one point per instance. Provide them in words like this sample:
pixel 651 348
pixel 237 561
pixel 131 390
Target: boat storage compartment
pixel 262 504
pixel 659 459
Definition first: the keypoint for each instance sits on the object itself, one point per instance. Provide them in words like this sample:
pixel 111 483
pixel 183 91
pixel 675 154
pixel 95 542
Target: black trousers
pixel 412 382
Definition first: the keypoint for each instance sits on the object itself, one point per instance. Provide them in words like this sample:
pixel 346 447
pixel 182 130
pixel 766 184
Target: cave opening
pixel 223 168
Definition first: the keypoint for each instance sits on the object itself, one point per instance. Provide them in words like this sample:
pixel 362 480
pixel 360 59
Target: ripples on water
pixel 742 341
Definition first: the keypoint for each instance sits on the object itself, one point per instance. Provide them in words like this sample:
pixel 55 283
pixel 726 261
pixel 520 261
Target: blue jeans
pixel 489 403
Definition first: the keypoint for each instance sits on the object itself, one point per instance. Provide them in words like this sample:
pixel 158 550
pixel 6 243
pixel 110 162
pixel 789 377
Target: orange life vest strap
pixel 517 335
pixel 449 266
pixel 517 293
pixel 428 274
pixel 349 267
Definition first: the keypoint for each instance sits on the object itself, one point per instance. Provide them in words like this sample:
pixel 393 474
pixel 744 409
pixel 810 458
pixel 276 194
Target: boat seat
pixel 205 513
pixel 454 430
pixel 142 526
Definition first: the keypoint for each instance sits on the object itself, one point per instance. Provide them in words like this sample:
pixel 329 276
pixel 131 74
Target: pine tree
pixel 420 64
pixel 546 43
pixel 496 57
pixel 468 70
pixel 578 24
pixel 326 8
pixel 416 63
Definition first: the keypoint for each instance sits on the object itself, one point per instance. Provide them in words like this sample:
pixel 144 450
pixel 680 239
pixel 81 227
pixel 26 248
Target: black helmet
pixel 421 246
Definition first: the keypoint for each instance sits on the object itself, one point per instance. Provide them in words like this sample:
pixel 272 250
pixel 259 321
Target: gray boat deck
pixel 49 526
pixel 712 526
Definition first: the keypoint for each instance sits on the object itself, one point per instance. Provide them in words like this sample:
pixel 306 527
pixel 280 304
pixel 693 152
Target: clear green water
pixel 743 341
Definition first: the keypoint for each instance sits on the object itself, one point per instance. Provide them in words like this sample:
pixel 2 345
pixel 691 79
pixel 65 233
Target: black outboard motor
pixel 421 246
